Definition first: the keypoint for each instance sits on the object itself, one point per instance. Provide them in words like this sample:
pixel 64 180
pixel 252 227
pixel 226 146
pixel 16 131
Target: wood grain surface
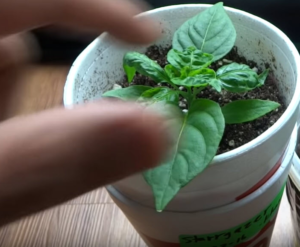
pixel 91 220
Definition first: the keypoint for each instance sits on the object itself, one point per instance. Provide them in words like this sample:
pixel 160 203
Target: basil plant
pixel 200 41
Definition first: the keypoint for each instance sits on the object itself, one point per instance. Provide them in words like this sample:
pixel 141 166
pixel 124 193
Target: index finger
pixel 116 17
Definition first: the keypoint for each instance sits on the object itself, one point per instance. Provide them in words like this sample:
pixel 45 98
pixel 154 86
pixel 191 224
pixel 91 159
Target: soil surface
pixel 235 135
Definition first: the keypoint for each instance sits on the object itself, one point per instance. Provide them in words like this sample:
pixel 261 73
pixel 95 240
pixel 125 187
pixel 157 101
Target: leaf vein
pixel 175 153
pixel 206 32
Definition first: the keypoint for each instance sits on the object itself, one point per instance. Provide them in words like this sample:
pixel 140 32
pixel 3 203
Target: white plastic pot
pixel 246 223
pixel 231 175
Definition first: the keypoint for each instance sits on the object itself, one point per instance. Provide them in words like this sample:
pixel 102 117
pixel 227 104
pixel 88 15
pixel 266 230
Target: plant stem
pixel 190 96
pixel 184 94
pixel 176 87
pixel 197 91
pixel 173 85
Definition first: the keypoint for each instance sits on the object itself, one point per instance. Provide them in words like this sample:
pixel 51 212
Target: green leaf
pixel 216 85
pixel 130 72
pixel 184 72
pixel 237 78
pixel 145 66
pixel 171 71
pixel 198 134
pixel 128 93
pixel 211 31
pixel 263 76
pixel 241 111
pixel 191 57
pixel 160 94
pixel 197 80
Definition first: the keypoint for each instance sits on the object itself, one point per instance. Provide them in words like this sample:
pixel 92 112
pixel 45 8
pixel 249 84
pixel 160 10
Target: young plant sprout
pixel 200 41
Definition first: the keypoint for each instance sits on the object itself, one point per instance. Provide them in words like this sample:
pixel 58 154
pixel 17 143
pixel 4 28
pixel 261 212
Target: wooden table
pixel 91 220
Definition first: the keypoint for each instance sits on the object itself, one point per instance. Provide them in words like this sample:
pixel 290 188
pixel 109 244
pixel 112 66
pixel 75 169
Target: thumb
pixel 51 157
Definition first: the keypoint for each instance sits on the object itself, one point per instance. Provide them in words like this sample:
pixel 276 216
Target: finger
pixel 54 156
pixel 86 33
pixel 69 33
pixel 116 17
pixel 16 49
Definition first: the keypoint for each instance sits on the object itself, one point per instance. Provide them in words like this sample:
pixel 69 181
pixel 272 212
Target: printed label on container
pixel 235 235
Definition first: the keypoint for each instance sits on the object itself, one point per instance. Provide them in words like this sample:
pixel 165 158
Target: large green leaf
pixel 128 93
pixel 160 94
pixel 144 65
pixel 198 134
pixel 241 111
pixel 238 78
pixel 211 31
pixel 191 57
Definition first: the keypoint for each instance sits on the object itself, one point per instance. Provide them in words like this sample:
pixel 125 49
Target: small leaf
pixel 211 31
pixel 263 76
pixel 195 72
pixel 237 78
pixel 201 79
pixel 216 85
pixel 241 111
pixel 160 94
pixel 198 134
pixel 191 57
pixel 171 71
pixel 128 93
pixel 130 72
pixel 145 66
pixel 184 72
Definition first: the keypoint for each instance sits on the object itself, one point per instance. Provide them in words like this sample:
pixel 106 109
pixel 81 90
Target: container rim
pixel 69 89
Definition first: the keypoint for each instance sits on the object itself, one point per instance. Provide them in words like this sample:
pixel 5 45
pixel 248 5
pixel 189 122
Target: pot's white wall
pixel 167 226
pixel 230 174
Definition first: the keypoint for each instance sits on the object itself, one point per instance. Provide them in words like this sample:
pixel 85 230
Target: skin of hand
pixel 53 156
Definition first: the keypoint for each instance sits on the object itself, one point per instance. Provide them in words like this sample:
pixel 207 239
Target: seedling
pixel 200 41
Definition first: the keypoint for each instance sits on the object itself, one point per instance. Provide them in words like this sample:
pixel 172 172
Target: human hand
pixel 88 18
pixel 53 156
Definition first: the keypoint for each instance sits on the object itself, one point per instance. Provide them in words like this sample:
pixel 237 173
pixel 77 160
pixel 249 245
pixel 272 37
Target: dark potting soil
pixel 235 135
